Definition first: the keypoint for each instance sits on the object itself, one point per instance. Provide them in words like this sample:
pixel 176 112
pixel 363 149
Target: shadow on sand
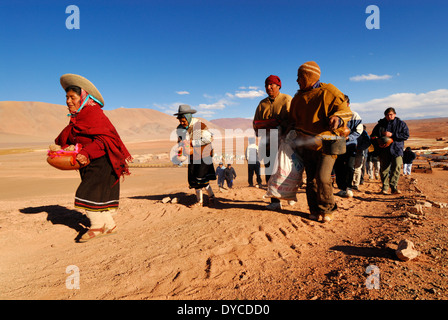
pixel 57 214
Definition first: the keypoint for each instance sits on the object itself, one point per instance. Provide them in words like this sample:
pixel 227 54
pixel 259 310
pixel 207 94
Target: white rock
pixel 406 250
pixel 417 209
pixel 166 200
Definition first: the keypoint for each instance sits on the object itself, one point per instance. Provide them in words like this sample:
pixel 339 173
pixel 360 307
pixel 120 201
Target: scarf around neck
pixel 91 121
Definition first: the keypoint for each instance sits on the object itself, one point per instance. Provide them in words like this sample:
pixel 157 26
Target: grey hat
pixel 183 109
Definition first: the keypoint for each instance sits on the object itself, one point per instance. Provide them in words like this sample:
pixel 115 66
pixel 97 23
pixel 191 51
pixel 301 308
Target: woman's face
pixel 183 122
pixel 73 101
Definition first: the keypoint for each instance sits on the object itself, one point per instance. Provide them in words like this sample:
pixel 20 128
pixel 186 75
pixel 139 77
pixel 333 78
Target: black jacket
pixel 229 173
pixel 400 133
pixel 408 156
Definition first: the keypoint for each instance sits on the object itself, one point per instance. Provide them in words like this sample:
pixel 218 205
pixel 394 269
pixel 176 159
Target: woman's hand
pixel 82 159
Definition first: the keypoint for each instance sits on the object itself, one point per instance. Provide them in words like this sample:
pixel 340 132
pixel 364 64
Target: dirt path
pixel 235 250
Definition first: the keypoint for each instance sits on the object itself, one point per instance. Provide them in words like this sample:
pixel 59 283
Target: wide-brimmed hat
pixel 184 109
pixel 70 79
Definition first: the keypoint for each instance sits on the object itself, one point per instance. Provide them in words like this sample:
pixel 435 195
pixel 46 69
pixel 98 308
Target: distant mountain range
pixel 22 122
pixel 42 122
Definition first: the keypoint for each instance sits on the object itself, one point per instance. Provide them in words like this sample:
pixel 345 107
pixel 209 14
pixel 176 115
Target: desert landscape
pixel 234 250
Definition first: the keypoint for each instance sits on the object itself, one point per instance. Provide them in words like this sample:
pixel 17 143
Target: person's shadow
pixel 61 215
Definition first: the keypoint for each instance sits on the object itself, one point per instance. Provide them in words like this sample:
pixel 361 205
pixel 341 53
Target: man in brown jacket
pixel 272 114
pixel 316 109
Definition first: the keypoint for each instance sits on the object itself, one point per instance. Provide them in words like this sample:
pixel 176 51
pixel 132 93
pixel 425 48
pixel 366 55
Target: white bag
pixel 287 178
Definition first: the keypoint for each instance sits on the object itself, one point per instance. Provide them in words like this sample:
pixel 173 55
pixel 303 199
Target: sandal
pixel 196 205
pixel 91 234
pixel 111 231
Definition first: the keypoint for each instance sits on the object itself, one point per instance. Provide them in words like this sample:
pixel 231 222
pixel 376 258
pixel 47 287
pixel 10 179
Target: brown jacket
pixel 311 110
pixel 277 109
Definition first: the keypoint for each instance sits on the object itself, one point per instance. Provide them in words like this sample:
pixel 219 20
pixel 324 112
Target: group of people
pixel 317 109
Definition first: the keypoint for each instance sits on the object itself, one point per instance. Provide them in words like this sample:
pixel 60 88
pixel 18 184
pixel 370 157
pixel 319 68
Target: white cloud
pixel 219 105
pixel 249 94
pixel 370 77
pixel 432 104
pixel 249 87
pixel 182 92
pixel 168 108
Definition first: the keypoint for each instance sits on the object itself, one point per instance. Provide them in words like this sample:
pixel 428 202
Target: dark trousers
pixel 319 188
pixel 253 168
pixel 344 168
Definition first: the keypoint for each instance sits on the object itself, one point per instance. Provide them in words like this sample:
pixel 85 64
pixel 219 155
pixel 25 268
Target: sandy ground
pixel 234 250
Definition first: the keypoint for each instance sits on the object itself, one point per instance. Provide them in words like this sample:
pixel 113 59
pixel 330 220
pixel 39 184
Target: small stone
pixel 417 209
pixel 166 200
pixel 406 250
pixel 174 200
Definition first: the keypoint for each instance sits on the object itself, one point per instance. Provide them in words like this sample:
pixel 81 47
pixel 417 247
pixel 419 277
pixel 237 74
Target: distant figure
pixel 373 163
pixel 220 174
pixel 360 159
pixel 229 175
pixel 253 164
pixel 408 157
pixel 391 156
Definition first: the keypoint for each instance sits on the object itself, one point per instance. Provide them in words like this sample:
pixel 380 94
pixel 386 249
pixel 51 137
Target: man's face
pixel 272 90
pixel 183 122
pixel 390 116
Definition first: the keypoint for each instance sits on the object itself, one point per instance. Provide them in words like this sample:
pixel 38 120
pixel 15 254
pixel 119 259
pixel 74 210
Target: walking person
pixel 220 175
pixel 315 109
pixel 272 113
pixel 197 142
pixel 408 157
pixel 390 133
pixel 363 144
pixel 373 163
pixel 103 155
pixel 229 175
pixel 253 164
pixel 344 166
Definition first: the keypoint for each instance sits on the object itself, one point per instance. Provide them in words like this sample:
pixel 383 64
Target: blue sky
pixel 216 54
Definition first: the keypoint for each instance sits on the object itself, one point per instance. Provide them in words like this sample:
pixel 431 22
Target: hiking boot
pixel 274 206
pixel 342 193
pixel 396 191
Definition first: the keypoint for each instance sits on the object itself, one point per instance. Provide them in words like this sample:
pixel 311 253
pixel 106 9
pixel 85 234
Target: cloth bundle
pixel 288 177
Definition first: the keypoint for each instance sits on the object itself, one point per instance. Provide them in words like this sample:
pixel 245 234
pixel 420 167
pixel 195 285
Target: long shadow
pixel 221 203
pixel 366 251
pixel 224 203
pixel 61 215
pixel 183 198
pixel 375 199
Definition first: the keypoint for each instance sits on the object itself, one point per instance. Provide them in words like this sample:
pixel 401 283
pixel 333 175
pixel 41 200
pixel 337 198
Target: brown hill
pixel 22 123
pixel 233 123
pixel 35 122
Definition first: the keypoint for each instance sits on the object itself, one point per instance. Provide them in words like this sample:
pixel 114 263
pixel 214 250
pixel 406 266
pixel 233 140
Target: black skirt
pixel 199 174
pixel 100 187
